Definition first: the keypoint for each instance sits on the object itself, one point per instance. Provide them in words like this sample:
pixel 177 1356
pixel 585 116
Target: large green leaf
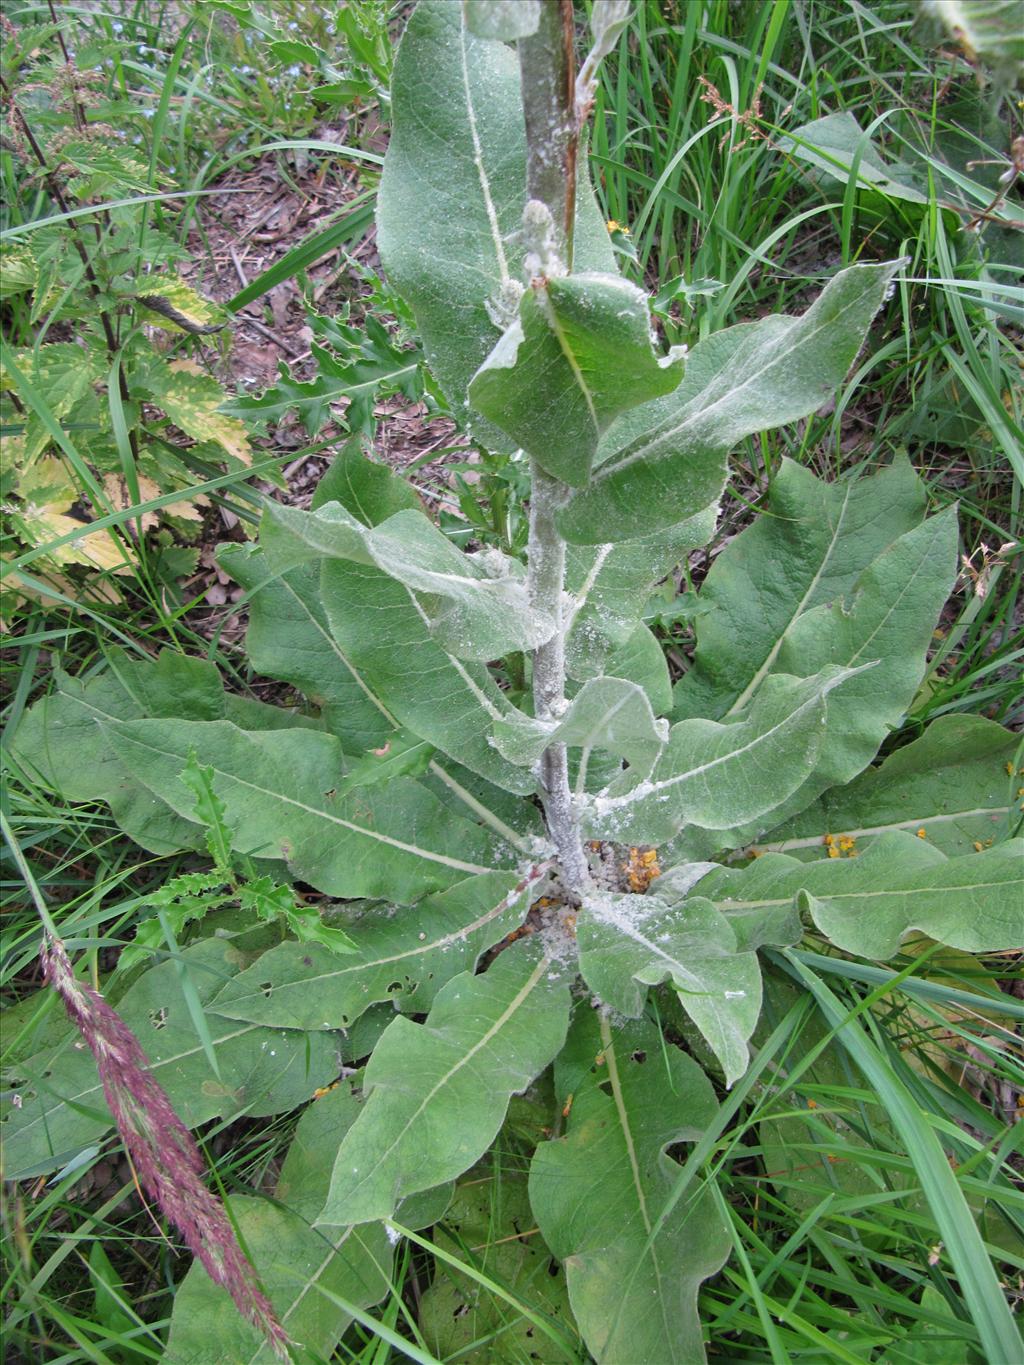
pixel 453 189
pixel 306 1170
pixel 292 1260
pixel 403 957
pixel 715 775
pixel 989 29
pixel 610 585
pixel 449 702
pixel 305 1177
pixel 628 943
pixel 809 551
pixel 452 195
pixel 363 636
pixel 281 798
pixel 578 356
pixel 958 783
pixel 830 579
pixel 868 904
pixel 642 660
pixel 370 490
pixel 289 638
pixel 404 755
pixel 62 742
pixel 888 619
pixel 601 1194
pixel 475 605
pixel 837 145
pixel 489 1224
pixel 666 461
pixel 607 713
pixel 438 1091
pixel 461 789
pixel 975 902
pixel 505 20
pixel 262 1071
pixel 755 922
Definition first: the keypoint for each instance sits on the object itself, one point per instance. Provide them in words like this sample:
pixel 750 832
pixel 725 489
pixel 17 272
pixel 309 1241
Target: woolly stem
pixel 547 68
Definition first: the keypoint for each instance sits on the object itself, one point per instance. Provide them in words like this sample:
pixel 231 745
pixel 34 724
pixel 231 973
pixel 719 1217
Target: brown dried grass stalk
pixel 166 1158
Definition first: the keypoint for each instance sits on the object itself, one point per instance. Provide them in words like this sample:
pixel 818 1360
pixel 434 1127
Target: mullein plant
pixel 550 888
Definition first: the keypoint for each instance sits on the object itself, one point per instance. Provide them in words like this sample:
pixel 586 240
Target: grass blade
pixel 985 1301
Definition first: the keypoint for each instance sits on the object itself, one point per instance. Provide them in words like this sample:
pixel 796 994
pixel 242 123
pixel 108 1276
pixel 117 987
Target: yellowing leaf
pixel 19 272
pixel 117 494
pixel 191 400
pixel 177 305
pixel 103 166
pixel 120 500
pixel 96 548
pixel 62 375
pixel 188 510
pixel 45 484
pixel 16 590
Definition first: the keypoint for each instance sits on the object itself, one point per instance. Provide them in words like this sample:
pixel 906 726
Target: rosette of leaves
pixel 423 793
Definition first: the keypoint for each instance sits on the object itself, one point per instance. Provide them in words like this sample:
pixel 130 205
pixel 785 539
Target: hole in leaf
pixel 606 1086
pixel 158 1018
pixel 266 987
pixel 307 962
pixel 394 988
pixel 639 1055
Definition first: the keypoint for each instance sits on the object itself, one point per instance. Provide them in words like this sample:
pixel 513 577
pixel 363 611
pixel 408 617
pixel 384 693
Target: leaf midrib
pixel 491 1032
pixel 370 964
pixel 413 849
pixel 478 159
pixel 798 611
pixel 152 1067
pixel 695 413
pixel 832 897
pixel 627 1136
pixel 311 1282
pixel 650 787
pixel 869 831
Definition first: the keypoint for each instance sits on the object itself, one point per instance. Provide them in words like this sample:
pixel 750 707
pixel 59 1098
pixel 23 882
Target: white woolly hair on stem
pixel 549 100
